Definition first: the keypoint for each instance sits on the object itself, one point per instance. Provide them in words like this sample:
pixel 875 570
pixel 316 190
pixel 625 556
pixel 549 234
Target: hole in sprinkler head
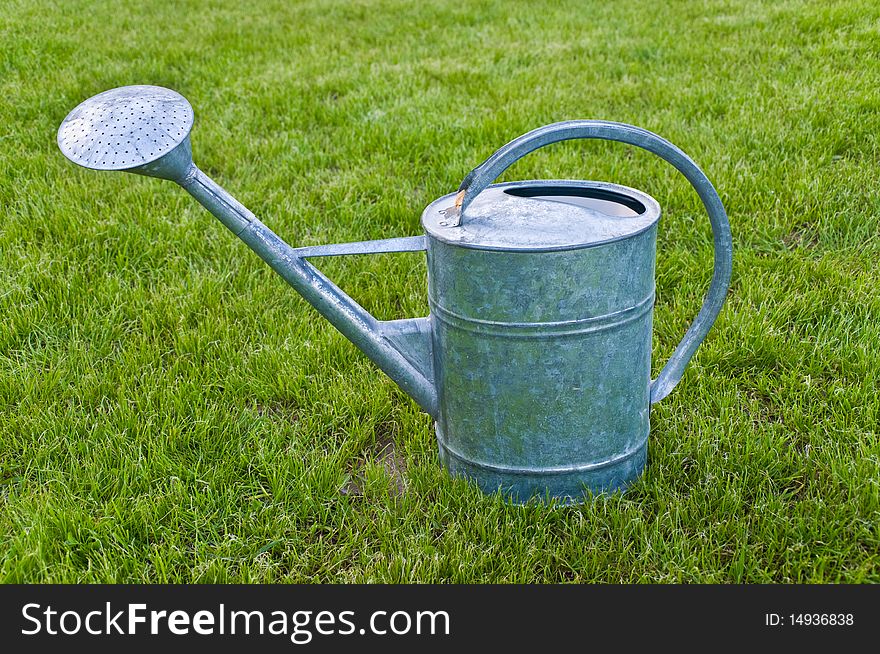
pixel 608 202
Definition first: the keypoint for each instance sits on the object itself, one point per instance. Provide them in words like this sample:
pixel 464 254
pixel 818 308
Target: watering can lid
pixel 543 215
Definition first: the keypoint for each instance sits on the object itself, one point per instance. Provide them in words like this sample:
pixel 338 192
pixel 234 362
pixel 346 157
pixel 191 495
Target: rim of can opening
pixel 544 215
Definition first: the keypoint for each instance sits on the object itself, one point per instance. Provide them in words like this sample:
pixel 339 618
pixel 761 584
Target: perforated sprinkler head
pixel 137 129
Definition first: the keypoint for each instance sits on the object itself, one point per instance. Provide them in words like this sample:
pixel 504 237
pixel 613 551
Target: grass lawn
pixel 170 411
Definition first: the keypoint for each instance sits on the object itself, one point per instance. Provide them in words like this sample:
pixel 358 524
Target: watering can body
pixel 541 297
pixel 535 359
pixel 541 306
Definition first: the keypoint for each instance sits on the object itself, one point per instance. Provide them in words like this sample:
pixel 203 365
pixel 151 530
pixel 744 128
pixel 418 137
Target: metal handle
pixel 484 174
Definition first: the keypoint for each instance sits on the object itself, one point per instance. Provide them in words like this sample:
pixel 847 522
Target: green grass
pixel 171 411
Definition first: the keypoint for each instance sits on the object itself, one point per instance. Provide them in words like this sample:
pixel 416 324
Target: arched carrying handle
pixel 484 174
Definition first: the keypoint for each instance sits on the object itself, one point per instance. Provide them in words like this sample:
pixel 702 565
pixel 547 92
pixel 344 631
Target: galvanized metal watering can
pixel 535 359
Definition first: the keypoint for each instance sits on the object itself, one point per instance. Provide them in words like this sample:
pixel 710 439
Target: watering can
pixel 535 359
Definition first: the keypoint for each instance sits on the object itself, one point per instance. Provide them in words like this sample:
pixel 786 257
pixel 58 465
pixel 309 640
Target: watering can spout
pixel 145 130
pixel 401 348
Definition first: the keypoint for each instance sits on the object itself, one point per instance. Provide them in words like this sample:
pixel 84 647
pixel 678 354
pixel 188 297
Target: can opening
pixel 602 200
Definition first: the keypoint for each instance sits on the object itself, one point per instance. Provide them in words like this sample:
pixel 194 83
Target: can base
pixel 569 485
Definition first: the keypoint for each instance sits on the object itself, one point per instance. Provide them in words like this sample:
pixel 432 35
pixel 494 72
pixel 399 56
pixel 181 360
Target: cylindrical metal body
pixel 542 349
